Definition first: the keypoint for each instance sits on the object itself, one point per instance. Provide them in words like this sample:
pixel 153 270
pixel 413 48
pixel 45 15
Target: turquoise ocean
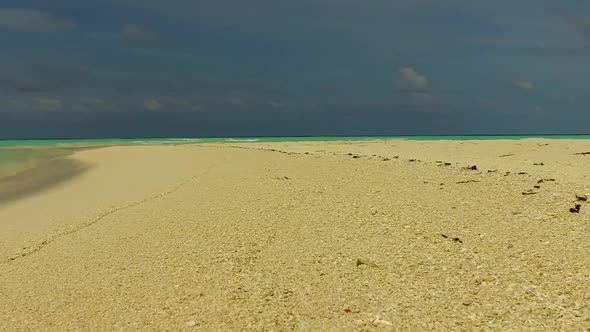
pixel 17 155
pixel 108 141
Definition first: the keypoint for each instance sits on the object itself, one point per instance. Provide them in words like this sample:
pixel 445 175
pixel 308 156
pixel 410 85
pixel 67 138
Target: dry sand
pixel 263 236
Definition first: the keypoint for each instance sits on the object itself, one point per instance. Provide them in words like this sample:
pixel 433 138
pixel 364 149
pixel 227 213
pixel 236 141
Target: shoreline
pixel 38 178
pixel 38 168
pixel 89 143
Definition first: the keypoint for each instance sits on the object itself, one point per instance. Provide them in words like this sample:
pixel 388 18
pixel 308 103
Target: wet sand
pixel 385 235
pixel 36 179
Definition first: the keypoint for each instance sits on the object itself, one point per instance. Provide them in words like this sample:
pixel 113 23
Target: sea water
pixel 16 159
pixel 124 141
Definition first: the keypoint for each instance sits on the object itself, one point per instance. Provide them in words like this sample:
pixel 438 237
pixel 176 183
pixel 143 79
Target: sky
pixel 193 68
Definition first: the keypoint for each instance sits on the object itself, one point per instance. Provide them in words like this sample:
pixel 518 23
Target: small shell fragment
pixel 362 261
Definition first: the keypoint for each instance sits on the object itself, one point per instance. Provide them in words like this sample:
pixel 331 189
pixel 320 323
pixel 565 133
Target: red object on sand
pixel 347 311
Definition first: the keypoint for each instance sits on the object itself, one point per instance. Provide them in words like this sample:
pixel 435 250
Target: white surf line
pixel 36 248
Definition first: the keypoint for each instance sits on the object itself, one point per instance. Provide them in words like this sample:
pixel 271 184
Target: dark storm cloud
pixel 42 77
pixel 135 32
pixel 32 20
pixel 283 67
pixel 586 27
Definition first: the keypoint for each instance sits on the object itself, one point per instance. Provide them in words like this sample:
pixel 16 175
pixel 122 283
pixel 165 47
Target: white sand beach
pixel 309 236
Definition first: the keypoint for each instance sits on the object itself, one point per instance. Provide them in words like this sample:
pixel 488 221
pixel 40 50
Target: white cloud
pixel 524 85
pixel 49 104
pixel 410 80
pixel 29 19
pixel 151 104
pixel 135 32
pixel 275 104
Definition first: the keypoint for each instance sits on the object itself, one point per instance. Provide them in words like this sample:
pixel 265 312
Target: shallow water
pixel 139 141
pixel 17 159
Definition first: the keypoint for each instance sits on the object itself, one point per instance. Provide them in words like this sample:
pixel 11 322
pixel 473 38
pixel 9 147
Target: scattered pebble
pixel 473 168
pixel 538 164
pixel 191 323
pixel 582 198
pixel 378 320
pixel 537 187
pixel 582 153
pixel 507 155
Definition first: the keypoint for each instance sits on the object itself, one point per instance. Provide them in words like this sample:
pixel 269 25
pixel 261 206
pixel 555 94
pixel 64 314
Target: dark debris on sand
pixel 455 239
pixel 576 209
pixel 468 181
